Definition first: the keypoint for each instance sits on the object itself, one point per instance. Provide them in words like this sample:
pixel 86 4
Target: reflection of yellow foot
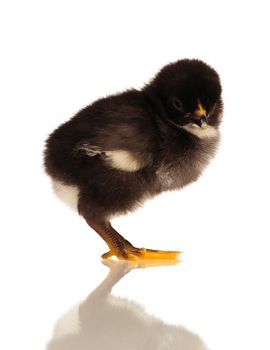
pixel 129 252
pixel 126 265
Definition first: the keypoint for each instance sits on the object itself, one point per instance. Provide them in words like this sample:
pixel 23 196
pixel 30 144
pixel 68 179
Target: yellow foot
pixel 135 254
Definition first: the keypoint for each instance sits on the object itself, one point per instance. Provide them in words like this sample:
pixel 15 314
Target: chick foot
pixel 123 249
pixel 131 253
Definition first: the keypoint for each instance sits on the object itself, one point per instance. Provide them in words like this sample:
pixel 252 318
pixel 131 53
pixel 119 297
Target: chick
pixel 125 148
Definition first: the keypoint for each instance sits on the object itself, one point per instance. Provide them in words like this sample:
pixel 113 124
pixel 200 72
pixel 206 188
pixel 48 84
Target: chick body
pixel 125 148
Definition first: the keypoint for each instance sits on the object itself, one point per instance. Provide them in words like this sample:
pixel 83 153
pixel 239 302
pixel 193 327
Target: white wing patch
pixel 118 159
pixel 123 160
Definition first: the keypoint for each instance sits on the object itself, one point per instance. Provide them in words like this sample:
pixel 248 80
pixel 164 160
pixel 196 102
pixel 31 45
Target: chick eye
pixel 178 104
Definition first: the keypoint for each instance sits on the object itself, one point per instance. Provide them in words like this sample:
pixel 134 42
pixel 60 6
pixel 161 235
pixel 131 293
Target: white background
pixel 58 56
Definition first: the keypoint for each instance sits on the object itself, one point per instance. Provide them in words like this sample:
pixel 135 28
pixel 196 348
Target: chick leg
pixel 123 249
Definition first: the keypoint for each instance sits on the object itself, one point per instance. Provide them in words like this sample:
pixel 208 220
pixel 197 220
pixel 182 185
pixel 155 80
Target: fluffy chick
pixel 124 148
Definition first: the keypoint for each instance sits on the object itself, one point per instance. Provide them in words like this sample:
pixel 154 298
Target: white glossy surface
pixel 59 56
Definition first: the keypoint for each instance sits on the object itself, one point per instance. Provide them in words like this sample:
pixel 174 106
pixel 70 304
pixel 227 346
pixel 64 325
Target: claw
pixel 107 255
pixel 148 254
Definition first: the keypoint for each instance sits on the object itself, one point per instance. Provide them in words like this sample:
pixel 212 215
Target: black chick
pixel 122 149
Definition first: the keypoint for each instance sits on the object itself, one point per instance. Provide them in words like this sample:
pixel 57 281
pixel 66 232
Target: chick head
pixel 190 93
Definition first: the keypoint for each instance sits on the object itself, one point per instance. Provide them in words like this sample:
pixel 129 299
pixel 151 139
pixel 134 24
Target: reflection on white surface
pixel 104 321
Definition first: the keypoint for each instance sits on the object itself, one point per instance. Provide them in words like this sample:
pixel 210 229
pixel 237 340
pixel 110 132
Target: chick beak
pixel 199 117
pixel 201 122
